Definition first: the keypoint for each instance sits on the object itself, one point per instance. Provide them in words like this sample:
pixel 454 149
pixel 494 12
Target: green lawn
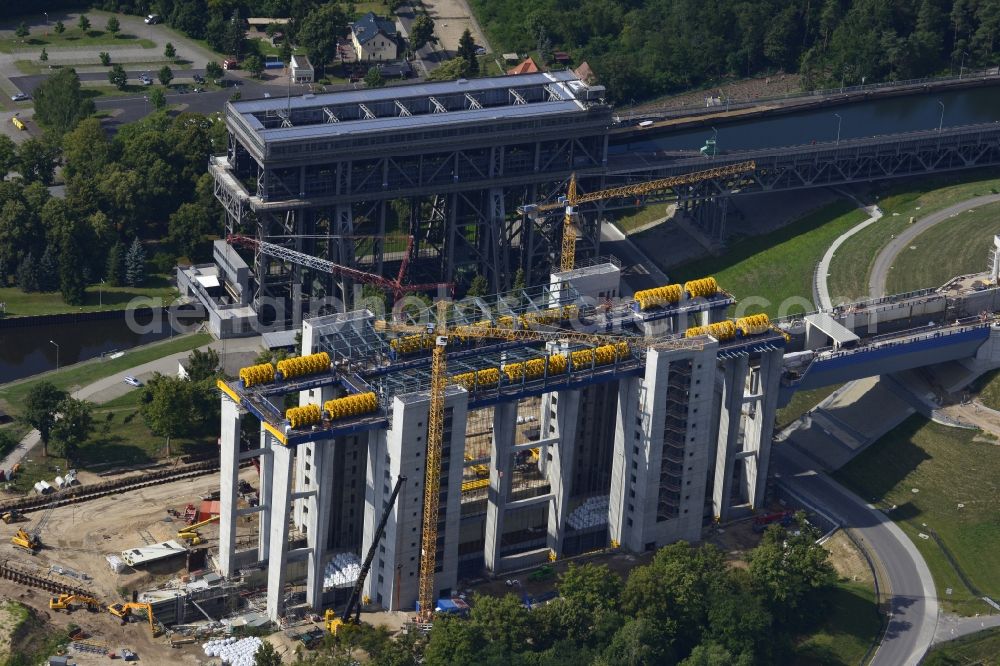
pixel 81 374
pixel 958 246
pixel 851 626
pixel 773 272
pixel 948 467
pixel 988 388
pixel 801 402
pixel 98 298
pixel 632 218
pixel 72 38
pixel 852 264
pixel 981 649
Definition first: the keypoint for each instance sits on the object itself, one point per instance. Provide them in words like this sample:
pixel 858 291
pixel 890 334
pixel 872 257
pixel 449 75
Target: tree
pixel 285 51
pixel 22 30
pixel 40 408
pixel 113 26
pixel 234 35
pixel 158 99
pixel 478 287
pixel 453 641
pixel 48 271
pixel 467 52
pixel 118 77
pixel 72 264
pixel 73 427
pixel 202 365
pixel 105 59
pixel 254 65
pixel 36 159
pixel 169 51
pixel 213 69
pixel 44 55
pixel 709 654
pixel 60 103
pixel 167 406
pixel 422 32
pixel 115 273
pixel 187 228
pixel 8 156
pixel 27 274
pixel 319 32
pixel 83 23
pixel 373 79
pixel 135 264
pixel 266 655
pixel 60 28
pixel 166 75
pixel 519 282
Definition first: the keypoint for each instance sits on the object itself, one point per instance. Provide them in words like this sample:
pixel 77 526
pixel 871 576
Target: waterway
pixel 858 120
pixel 28 350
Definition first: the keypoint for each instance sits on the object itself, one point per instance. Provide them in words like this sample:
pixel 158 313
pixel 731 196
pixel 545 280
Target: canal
pixel 28 350
pixel 857 120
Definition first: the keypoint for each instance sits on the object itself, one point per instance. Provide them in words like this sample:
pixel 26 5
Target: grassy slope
pixel 81 374
pixel 801 402
pixel 956 247
pixel 982 649
pixel 849 630
pixel 777 266
pixel 97 298
pixel 632 218
pixel 932 458
pixel 852 264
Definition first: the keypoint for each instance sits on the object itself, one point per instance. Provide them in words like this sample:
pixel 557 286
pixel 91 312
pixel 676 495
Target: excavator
pixel 123 611
pixel 32 541
pixel 12 516
pixel 352 613
pixel 66 602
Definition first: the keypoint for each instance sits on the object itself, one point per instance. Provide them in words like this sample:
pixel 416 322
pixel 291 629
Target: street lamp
pixel 57 353
pixel 46 17
pixel 961 70
pixel 839 122
pixel 941 120
pixel 100 295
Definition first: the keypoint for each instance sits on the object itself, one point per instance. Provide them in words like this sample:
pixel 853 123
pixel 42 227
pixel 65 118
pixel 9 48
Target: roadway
pixel 887 256
pixel 913 602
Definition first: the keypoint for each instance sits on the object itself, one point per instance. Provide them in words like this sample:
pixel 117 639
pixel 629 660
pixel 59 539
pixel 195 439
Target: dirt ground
pixel 451 19
pixel 847 559
pixel 77 538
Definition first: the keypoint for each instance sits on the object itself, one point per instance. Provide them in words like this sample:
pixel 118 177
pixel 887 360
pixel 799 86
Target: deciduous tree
pixel 40 408
pixel 22 30
pixel 202 365
pixel 60 103
pixel 36 160
pixel 167 407
pixel 157 98
pixel 213 70
pixel 115 270
pixel 73 427
pixel 83 23
pixel 253 64
pixel 169 51
pixel 422 32
pixel 166 75
pixel 118 77
pixel 113 26
pixel 320 31
pixel 8 156
pixel 105 59
pixel 44 55
pixel 374 79
pixel 59 28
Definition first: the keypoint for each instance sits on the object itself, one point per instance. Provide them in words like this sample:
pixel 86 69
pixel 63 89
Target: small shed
pixel 302 70
pixel 208 509
pixel 561 57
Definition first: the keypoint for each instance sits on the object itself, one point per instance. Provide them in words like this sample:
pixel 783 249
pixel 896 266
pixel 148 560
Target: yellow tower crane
pixel 570 202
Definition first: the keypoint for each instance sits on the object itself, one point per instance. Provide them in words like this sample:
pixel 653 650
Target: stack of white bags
pixel 592 513
pixel 238 652
pixel 342 571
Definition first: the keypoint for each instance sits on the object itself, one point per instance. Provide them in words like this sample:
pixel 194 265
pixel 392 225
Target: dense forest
pixel 645 48
pixel 687 606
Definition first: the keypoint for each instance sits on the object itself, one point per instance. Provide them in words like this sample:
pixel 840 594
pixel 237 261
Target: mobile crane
pixel 32 541
pixel 333 623
pixel 190 533
pixel 570 202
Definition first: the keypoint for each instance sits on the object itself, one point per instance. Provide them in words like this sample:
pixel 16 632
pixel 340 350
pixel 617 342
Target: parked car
pixel 230 63
pixel 152 19
pixel 480 50
pixel 198 78
pixel 132 381
pixel 20 97
pixel 146 79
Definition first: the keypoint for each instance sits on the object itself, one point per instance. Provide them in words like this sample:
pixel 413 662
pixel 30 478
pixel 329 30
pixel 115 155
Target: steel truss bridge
pixel 339 176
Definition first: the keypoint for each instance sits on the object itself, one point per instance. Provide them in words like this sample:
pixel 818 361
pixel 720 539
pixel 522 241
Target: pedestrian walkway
pixel 822 287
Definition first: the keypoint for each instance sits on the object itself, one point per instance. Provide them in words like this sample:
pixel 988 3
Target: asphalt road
pixel 885 258
pixel 913 604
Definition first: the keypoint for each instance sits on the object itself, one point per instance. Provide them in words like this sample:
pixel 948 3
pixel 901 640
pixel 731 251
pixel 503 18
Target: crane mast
pixel 432 476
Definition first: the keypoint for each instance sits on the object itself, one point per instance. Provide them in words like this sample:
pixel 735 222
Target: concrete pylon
pixel 229 469
pixel 501 454
pixel 281 499
pixel 320 505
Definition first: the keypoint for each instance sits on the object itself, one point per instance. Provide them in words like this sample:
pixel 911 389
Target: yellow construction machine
pixel 12 516
pixel 123 611
pixel 191 534
pixel 25 541
pixel 66 602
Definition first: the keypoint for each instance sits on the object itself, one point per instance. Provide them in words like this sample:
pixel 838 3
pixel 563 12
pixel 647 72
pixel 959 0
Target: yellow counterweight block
pixel 603 355
pixel 658 297
pixel 721 331
pixel 535 368
pixel 301 366
pixel 303 417
pixel 412 344
pixel 352 405
pixel 701 288
pixel 486 378
pixel 753 325
pixel 257 374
